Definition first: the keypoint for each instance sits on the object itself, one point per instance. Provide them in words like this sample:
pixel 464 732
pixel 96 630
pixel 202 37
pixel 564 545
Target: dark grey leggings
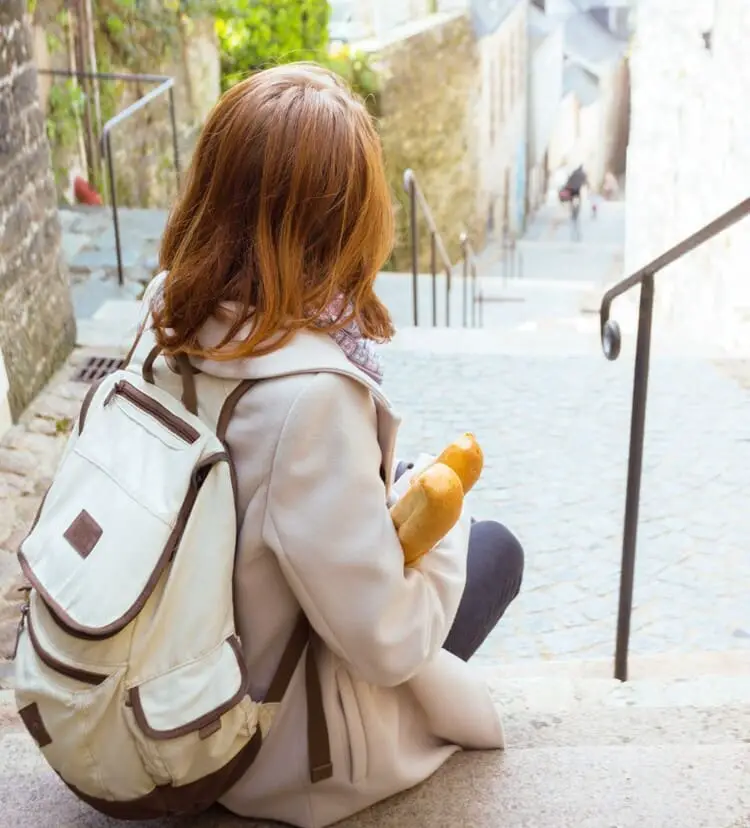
pixel 494 572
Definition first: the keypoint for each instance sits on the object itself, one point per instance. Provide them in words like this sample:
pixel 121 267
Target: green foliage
pixel 65 105
pixel 254 34
pixel 357 70
pixel 139 33
pixel 64 108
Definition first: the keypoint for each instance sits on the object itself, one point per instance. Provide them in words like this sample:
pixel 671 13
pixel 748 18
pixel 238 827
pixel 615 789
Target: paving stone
pixel 15 484
pixel 91 259
pixel 23 463
pixel 56 408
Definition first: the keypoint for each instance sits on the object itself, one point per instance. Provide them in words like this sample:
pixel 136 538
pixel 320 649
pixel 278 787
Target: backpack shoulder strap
pixel 213 399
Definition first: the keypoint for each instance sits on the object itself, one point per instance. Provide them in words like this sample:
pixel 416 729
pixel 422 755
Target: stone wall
pixel 37 327
pixel 689 158
pixel 428 96
pixel 194 63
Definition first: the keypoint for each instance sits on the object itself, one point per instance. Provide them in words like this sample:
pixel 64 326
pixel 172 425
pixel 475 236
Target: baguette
pixel 433 502
pixel 429 509
pixel 466 459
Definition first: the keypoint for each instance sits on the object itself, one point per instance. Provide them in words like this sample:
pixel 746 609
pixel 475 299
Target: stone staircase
pixel 669 748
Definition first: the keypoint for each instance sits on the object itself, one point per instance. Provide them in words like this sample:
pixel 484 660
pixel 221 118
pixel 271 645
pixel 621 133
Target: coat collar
pixel 308 352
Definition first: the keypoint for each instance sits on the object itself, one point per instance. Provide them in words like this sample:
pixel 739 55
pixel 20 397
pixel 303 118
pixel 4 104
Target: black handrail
pixel 470 274
pixel 418 202
pixel 165 84
pixel 611 342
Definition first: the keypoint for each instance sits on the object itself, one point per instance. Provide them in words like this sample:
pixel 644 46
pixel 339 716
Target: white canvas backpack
pixel 129 672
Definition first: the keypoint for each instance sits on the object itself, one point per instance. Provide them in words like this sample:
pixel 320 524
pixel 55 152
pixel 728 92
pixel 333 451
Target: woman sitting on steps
pixel 270 259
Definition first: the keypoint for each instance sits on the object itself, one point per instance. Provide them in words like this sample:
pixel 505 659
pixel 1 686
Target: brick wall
pixel 37 327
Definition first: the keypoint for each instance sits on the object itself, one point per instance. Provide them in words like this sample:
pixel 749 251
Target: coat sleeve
pixel 328 523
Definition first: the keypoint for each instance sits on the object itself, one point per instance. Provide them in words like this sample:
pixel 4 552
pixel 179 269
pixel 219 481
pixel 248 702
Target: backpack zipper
pixel 155 409
pixel 19 630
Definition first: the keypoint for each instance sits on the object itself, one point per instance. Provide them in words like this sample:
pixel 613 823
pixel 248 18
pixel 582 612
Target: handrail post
pixel 412 191
pixel 473 295
pixel 635 462
pixel 113 197
pixel 175 146
pixel 433 274
pixel 448 297
pixel 465 286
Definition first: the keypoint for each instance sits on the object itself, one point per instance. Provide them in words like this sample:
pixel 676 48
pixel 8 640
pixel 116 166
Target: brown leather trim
pixel 147 369
pixel 318 743
pixel 227 410
pixel 32 718
pixel 189 392
pixel 202 721
pixel 159 412
pixel 72 627
pixel 289 660
pixel 209 730
pixel 86 404
pixel 222 424
pixel 83 534
pixel 185 800
pixel 58 666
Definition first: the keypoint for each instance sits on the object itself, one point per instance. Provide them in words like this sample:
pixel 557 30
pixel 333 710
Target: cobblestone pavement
pixel 553 417
pixel 89 247
pixel 555 432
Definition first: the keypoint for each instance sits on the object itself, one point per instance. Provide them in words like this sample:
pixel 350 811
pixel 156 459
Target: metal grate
pixel 97 367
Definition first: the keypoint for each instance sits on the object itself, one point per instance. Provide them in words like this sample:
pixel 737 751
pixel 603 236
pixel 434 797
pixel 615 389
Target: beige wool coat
pixel 308 442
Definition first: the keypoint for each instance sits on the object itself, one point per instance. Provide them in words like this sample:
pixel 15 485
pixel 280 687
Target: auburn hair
pixel 285 211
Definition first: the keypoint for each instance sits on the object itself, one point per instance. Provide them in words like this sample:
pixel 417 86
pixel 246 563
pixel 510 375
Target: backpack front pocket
pixel 96 557
pixel 189 720
pixel 72 714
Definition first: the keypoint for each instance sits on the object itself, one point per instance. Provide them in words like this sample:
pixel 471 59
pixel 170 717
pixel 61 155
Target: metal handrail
pixel 470 274
pixel 611 339
pixel 418 202
pixel 165 85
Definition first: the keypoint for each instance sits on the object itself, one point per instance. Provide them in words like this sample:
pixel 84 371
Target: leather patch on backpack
pixel 32 718
pixel 83 534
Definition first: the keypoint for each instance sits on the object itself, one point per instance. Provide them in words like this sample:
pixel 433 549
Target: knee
pixel 505 547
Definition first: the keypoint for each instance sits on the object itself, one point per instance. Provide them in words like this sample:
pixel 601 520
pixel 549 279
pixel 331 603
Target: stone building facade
pixel 454 109
pixel 689 159
pixel 37 327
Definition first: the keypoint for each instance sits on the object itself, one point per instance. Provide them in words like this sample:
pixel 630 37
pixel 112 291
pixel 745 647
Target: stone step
pixel 583 752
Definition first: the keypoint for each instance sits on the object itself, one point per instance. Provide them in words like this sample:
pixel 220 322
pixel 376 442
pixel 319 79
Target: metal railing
pixel 470 275
pixel 165 86
pixel 611 342
pixel 417 204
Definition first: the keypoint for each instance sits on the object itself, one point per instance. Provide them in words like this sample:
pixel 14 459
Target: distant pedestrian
pixel 577 180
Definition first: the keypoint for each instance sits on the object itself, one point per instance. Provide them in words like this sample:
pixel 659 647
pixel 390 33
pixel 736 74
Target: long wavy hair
pixel 286 209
